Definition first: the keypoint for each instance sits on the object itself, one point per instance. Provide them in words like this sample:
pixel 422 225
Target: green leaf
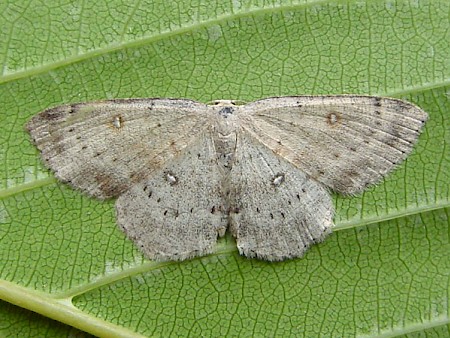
pixel 19 322
pixel 384 272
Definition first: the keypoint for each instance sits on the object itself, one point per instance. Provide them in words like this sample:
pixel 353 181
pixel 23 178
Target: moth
pixel 184 172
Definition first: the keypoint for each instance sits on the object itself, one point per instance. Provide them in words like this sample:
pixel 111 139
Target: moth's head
pixel 226 103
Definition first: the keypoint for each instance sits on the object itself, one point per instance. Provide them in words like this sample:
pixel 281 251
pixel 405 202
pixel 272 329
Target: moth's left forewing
pixel 345 142
pixel 104 147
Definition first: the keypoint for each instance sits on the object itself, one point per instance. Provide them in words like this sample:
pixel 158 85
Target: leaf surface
pixel 384 272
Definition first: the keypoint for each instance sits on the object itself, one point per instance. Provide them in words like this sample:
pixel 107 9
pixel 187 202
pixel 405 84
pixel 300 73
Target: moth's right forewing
pixel 344 142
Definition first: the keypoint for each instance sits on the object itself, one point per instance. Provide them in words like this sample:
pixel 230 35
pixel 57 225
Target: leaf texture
pixel 383 273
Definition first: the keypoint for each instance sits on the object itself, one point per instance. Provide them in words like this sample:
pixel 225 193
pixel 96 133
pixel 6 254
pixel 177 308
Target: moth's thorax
pixel 225 127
